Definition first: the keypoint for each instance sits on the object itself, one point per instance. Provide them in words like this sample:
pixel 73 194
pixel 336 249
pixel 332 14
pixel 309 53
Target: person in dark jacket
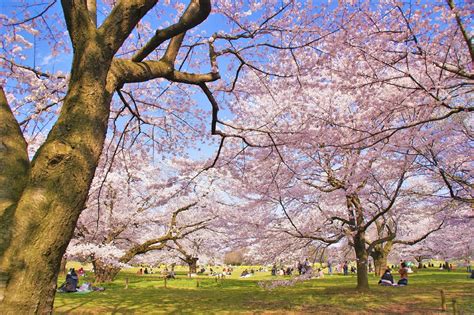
pixel 387 278
pixel 71 282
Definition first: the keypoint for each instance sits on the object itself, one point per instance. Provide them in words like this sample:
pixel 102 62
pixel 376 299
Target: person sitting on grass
pixel 387 278
pixel 245 274
pixel 403 271
pixel 274 270
pixel 71 282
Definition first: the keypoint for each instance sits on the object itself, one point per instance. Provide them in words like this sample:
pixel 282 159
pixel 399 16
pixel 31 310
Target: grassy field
pixel 146 294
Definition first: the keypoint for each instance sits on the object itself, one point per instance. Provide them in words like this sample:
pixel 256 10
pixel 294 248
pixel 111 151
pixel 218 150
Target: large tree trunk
pixel 380 255
pixel 362 259
pixel 14 170
pixel 380 264
pixel 192 263
pixel 59 180
pixel 104 272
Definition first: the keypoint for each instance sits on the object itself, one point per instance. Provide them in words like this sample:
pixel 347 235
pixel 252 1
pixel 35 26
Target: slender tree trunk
pixel 62 268
pixel 419 259
pixel 104 272
pixel 61 173
pixel 362 260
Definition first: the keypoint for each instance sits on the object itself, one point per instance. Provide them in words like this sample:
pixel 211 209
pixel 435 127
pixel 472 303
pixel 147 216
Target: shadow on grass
pixel 335 294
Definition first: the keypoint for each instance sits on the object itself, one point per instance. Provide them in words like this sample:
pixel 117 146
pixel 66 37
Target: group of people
pixel 145 271
pixel 305 267
pixel 345 269
pixel 283 271
pixel 387 277
pixel 226 271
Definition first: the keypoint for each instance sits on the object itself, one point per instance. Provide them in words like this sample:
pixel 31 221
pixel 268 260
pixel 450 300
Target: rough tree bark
pixel 362 259
pixel 380 256
pixel 48 209
pixel 356 215
pixel 104 272
pixel 14 169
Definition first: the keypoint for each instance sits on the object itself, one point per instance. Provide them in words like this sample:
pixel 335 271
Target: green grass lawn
pixel 333 294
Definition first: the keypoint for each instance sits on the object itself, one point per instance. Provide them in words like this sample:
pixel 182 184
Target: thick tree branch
pixel 391 202
pixel 92 9
pixel 452 193
pixel 122 20
pixel 196 12
pixel 173 49
pixel 455 70
pixel 317 238
pixel 78 22
pixel 174 233
pixel 126 71
pixel 388 238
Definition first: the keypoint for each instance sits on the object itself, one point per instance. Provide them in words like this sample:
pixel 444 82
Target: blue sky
pixel 40 55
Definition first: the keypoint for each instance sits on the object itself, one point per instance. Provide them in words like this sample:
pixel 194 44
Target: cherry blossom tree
pixel 133 43
pixel 450 242
pixel 133 209
pixel 301 74
pixel 389 86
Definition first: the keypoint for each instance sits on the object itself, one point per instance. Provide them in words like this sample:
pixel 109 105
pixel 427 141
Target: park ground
pixel 146 294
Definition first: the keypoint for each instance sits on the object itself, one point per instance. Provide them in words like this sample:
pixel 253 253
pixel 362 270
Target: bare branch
pixel 413 242
pixel 34 16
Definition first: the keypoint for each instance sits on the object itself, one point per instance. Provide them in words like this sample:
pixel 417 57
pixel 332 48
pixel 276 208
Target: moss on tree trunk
pixel 61 173
pixel 104 272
